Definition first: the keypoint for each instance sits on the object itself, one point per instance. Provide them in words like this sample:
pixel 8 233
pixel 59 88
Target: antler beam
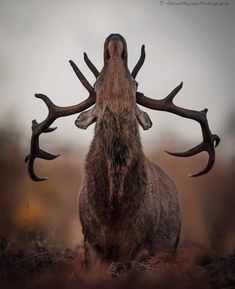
pixel 54 112
pixel 210 141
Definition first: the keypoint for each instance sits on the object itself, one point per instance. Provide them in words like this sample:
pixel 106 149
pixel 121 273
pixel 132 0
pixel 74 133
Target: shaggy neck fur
pixel 120 138
pixel 116 153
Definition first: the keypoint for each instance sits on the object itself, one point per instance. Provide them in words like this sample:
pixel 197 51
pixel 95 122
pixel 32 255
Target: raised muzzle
pixel 115 47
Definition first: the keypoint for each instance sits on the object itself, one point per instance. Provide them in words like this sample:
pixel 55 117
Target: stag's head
pixel 116 88
pixel 115 84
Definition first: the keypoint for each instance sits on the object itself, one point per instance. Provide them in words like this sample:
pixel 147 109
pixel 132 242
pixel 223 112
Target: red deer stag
pixel 127 204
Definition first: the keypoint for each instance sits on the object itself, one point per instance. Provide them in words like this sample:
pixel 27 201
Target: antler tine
pixel 37 129
pixel 139 63
pixel 54 112
pixel 36 152
pixel 210 141
pixel 92 67
pixel 81 77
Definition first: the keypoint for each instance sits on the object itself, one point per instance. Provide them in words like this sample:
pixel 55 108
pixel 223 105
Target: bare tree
pixel 128 206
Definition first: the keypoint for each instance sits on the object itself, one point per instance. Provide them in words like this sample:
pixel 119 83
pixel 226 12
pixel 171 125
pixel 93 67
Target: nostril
pixel 115 37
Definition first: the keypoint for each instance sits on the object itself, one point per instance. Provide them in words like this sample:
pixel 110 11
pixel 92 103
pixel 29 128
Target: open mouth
pixel 115 46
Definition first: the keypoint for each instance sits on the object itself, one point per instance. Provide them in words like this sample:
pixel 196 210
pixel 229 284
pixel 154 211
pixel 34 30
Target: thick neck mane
pixel 115 154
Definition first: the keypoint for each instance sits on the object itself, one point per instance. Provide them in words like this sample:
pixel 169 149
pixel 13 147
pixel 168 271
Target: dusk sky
pixel 190 43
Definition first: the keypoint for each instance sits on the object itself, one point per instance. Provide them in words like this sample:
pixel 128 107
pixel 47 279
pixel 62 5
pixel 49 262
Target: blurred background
pixel 184 42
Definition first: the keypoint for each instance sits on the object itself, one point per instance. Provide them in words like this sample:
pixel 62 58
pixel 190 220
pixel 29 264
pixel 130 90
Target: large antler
pixel 210 141
pixel 54 112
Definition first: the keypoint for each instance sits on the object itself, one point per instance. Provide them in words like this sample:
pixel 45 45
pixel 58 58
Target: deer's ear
pixel 143 118
pixel 86 118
